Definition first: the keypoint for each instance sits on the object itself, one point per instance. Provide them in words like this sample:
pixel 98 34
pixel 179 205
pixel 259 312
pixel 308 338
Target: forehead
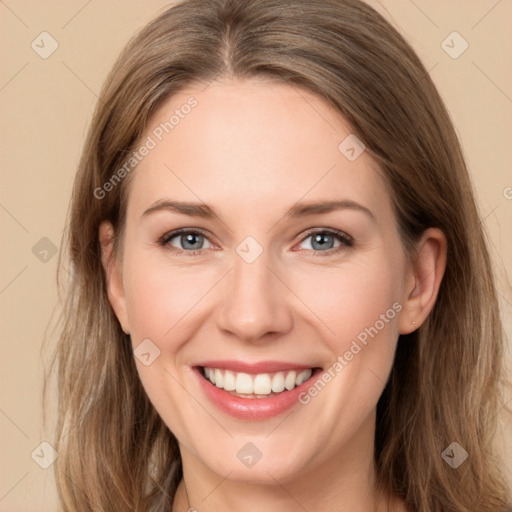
pixel 251 145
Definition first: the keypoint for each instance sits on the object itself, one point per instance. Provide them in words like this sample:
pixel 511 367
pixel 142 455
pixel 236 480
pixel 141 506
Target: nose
pixel 255 305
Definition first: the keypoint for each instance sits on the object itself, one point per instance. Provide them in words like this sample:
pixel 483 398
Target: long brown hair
pixel 115 452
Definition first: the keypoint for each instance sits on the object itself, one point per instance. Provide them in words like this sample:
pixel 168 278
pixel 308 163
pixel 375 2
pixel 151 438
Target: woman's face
pixel 261 284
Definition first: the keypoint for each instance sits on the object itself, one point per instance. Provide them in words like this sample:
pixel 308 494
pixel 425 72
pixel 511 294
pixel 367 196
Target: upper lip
pixel 255 367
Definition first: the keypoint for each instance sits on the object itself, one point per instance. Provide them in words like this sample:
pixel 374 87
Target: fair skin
pixel 252 150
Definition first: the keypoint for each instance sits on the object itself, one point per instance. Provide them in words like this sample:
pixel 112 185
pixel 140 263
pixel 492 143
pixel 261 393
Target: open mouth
pixel 260 385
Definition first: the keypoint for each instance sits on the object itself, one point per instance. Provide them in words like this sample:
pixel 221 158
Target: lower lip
pixel 253 408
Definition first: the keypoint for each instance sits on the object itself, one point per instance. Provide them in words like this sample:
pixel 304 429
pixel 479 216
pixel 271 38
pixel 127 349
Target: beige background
pixel 46 105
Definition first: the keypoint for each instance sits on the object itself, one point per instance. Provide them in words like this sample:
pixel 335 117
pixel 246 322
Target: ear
pixel 423 280
pixel 113 274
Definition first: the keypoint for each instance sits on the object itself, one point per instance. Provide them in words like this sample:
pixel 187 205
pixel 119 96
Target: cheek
pixel 161 298
pixel 360 306
pixel 368 310
pixel 356 301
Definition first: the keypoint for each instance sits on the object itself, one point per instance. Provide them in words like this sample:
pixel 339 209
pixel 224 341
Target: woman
pixel 333 340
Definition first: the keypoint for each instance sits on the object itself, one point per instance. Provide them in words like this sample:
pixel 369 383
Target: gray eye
pixel 321 241
pixel 188 240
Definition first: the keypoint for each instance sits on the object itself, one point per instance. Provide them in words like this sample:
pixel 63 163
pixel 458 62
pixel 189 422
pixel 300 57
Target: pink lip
pixel 253 408
pixel 254 368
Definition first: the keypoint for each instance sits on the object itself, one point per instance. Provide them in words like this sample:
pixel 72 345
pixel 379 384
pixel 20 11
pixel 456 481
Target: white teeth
pixel 278 382
pixel 262 384
pixel 243 383
pixel 256 386
pixel 289 382
pixel 229 381
pixel 219 378
pixel 303 376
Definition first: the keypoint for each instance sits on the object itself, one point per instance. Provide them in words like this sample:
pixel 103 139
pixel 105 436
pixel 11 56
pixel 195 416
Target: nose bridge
pixel 255 301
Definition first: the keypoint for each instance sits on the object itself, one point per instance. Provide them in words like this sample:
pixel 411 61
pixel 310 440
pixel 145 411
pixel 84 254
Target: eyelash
pixel 346 241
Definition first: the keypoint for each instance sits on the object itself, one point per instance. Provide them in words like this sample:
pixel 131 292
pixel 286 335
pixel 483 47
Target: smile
pixel 255 391
pixel 261 385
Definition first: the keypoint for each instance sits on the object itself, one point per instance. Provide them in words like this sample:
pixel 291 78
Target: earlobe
pixel 424 279
pixel 113 275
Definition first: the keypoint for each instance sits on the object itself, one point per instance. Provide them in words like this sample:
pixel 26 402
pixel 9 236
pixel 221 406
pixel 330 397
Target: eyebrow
pixel 298 210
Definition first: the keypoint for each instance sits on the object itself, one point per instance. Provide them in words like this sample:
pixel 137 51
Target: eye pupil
pixel 320 238
pixel 190 238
